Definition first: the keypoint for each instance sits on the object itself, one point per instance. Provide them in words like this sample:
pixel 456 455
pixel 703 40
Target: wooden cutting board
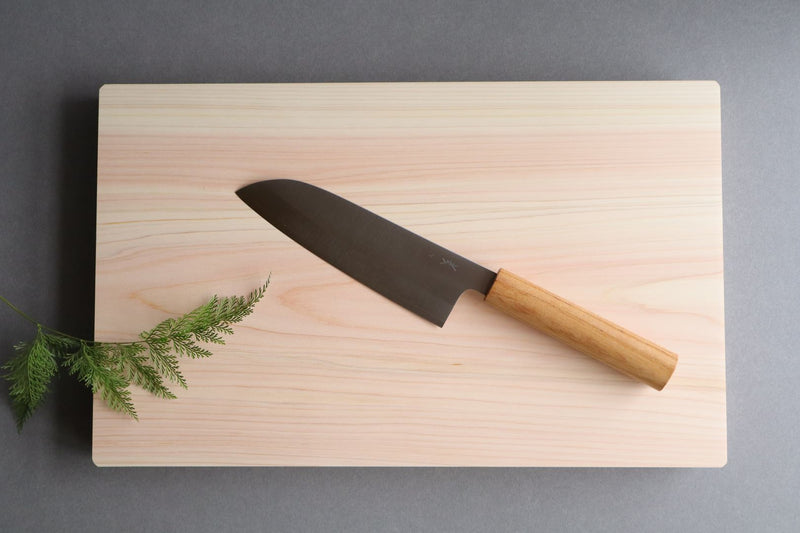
pixel 607 193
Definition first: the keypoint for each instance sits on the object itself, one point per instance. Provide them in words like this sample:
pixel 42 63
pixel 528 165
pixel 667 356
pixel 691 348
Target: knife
pixel 428 279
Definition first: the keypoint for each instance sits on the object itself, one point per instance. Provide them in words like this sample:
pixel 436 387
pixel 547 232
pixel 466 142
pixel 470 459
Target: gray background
pixel 55 55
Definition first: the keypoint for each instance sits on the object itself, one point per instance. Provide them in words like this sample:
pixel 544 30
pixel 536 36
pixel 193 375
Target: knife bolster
pixel 582 330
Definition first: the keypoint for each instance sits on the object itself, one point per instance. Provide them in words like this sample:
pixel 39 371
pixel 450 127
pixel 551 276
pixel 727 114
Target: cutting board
pixel 606 193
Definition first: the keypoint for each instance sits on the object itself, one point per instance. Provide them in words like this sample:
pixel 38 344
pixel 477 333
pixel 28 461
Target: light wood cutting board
pixel 607 193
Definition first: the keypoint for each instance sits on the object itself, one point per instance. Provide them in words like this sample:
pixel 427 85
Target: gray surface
pixel 55 55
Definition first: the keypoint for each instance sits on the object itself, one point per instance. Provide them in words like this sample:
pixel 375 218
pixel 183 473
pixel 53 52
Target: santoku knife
pixel 427 279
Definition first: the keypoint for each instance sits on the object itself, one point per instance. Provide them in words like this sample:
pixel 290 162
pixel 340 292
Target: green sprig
pixel 108 369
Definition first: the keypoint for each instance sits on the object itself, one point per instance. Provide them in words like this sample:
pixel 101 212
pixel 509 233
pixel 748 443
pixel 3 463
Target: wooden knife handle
pixel 583 330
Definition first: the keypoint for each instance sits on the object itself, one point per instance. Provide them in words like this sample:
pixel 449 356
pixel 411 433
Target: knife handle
pixel 582 330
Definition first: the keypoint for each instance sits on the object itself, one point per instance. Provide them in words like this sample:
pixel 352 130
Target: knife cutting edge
pixel 428 279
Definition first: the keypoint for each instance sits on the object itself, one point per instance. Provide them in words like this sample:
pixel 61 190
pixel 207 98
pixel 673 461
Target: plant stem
pixel 18 311
pixel 41 326
pixel 38 324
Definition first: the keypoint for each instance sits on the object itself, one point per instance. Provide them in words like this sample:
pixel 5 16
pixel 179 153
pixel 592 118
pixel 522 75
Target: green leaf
pixel 30 373
pixel 208 336
pixel 93 365
pixel 166 362
pixel 137 370
pixel 59 345
pixel 109 368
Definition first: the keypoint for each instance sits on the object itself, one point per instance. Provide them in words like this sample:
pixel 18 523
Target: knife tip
pixel 243 190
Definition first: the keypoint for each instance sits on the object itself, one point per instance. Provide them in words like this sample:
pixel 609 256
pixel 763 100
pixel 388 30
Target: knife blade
pixel 428 279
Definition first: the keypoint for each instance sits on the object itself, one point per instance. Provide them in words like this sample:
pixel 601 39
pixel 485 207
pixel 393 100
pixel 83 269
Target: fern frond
pixel 161 331
pixel 166 362
pixel 109 368
pixel 29 372
pixel 136 369
pixel 59 345
pixel 95 367
pixel 209 336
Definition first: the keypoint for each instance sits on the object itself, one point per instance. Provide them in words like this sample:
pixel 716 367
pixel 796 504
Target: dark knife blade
pixel 414 272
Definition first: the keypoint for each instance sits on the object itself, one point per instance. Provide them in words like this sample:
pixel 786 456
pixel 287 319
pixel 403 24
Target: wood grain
pixel 606 193
pixel 592 335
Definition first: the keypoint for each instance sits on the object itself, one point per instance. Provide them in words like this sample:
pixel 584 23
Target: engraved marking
pixel 449 263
